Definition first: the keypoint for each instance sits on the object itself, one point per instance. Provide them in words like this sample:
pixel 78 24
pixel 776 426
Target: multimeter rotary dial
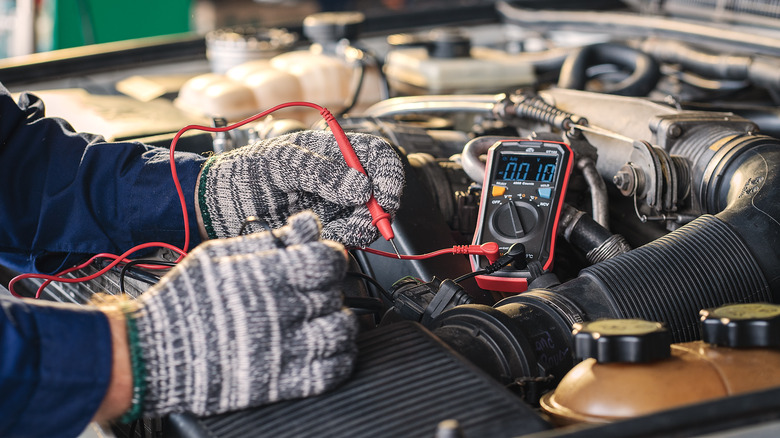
pixel 515 219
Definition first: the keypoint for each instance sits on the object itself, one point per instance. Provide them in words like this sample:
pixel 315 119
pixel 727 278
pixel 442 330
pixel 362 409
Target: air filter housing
pixel 406 382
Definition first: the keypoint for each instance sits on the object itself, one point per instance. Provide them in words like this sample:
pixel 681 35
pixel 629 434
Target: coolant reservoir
pixel 213 95
pixel 449 65
pixel 327 73
pixel 628 371
pixel 269 86
pixel 323 79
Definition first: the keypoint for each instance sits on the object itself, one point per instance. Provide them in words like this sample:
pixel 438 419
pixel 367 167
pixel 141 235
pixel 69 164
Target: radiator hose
pixel 643 70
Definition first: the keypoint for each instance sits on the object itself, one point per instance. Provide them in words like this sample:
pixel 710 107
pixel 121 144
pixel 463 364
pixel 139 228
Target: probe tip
pixel 394 248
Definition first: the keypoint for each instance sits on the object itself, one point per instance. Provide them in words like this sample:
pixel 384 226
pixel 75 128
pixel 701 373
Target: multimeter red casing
pixel 522 197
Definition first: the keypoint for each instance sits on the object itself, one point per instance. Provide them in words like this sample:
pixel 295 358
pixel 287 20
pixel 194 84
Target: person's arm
pixel 73 195
pixel 57 364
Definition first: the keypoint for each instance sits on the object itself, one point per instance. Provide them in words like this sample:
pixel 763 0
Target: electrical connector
pixel 489 250
pixel 515 254
pixel 419 301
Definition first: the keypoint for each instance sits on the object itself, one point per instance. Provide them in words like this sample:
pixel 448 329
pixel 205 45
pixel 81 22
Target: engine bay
pixel 603 183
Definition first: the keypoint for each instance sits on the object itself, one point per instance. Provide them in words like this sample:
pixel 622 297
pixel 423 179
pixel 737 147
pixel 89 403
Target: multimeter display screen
pixel 524 167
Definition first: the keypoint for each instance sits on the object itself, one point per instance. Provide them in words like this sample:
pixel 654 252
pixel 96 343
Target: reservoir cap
pixel 743 325
pixel 622 340
pixel 330 27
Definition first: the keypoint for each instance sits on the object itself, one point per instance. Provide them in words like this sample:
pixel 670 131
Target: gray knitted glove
pixel 240 322
pixel 275 178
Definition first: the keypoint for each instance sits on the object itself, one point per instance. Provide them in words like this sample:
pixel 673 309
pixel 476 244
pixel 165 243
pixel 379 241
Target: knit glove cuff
pixel 243 323
pixel 275 178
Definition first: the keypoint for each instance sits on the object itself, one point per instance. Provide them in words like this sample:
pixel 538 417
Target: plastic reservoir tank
pixel 446 63
pixel 327 73
pixel 630 369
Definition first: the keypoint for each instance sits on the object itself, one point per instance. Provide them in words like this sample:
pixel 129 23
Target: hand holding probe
pixel 381 219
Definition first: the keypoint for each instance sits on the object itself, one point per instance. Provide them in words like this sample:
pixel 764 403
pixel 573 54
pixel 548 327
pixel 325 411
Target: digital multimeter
pixel 522 196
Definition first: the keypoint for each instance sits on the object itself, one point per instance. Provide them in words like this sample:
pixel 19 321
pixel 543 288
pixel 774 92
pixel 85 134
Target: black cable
pixel 364 305
pixel 253 219
pixel 364 55
pixel 383 78
pixel 470 275
pixel 373 281
pixel 137 274
pixel 23 288
pixel 385 92
pixel 143 276
pixel 129 264
pixel 356 93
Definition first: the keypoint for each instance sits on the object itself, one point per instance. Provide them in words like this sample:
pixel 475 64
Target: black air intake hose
pixel 736 176
pixel 703 264
pixel 644 71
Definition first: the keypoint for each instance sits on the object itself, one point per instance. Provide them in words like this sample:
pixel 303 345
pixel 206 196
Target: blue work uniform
pixel 55 366
pixel 65 196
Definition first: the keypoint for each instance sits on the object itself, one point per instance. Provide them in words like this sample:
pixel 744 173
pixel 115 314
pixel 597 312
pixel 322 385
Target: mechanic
pixel 241 321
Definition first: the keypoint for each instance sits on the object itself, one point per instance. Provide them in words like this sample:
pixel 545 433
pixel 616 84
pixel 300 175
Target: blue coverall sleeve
pixel 64 195
pixel 55 367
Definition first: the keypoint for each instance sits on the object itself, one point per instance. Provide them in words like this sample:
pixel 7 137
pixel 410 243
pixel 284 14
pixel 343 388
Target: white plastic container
pixel 323 79
pixel 255 86
pixel 486 70
pixel 240 72
pixel 272 87
pixel 213 95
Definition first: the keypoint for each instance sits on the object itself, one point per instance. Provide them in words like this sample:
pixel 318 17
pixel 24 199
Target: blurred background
pixel 29 26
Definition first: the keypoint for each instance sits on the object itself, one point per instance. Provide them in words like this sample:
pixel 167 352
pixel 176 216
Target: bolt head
pixel 624 181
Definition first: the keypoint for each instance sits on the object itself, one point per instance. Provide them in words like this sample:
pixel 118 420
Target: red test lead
pixel 488 250
pixel 381 219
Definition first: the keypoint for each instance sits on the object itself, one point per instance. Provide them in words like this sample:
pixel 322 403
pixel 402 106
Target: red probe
pixel 381 219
